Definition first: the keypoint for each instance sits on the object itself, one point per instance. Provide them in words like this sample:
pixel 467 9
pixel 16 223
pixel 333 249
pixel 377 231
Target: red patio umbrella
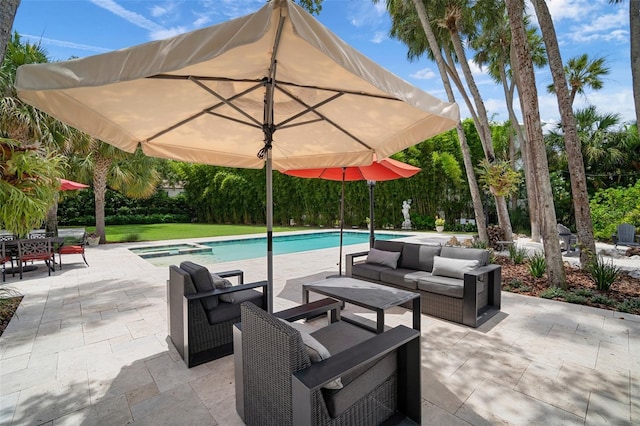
pixel 385 169
pixel 69 185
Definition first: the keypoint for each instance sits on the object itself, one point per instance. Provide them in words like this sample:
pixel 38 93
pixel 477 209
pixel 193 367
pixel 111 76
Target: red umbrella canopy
pixel 386 169
pixel 69 185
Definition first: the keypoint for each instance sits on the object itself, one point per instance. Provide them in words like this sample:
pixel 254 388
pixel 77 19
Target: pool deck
pixel 89 347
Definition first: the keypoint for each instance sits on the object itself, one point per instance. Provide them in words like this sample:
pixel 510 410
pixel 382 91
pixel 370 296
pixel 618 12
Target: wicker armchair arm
pixel 321 373
pixel 233 273
pixel 309 310
pixel 219 291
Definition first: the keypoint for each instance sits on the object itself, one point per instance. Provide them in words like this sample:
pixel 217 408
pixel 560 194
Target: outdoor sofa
pixel 202 308
pixel 455 283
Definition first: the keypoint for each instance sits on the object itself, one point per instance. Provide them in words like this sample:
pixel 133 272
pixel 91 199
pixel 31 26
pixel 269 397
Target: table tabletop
pixel 362 293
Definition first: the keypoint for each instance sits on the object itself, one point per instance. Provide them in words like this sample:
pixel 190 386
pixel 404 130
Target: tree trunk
pixel 538 155
pixel 484 131
pixel 8 9
pixel 584 225
pixel 634 31
pixel 100 172
pixel 51 222
pixel 476 198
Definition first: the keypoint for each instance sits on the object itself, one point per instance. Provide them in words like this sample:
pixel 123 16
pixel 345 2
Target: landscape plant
pixel 603 273
pixel 517 254
pixel 537 265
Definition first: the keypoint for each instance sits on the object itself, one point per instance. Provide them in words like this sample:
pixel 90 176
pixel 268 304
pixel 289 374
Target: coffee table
pixel 367 295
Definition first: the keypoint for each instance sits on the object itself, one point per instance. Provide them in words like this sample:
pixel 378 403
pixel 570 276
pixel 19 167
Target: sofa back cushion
pixel 388 245
pixel 418 256
pixel 203 282
pixel 480 255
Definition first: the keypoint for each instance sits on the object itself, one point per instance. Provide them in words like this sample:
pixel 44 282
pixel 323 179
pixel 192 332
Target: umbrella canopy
pixel 274 88
pixel 69 185
pixel 385 169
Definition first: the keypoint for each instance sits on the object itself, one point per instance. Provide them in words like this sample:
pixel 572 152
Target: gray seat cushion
pixel 201 278
pixel 452 287
pixel 227 311
pixel 418 256
pixel 338 337
pixel 370 271
pixel 480 255
pixel 405 278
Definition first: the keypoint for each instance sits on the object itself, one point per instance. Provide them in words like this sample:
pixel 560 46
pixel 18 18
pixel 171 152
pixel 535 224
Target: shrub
pixel 517 254
pixel 553 292
pixel 572 297
pixel 631 306
pixel 537 265
pixel 602 300
pixel 603 273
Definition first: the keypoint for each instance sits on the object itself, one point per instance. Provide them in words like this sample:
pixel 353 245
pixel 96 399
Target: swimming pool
pixel 249 248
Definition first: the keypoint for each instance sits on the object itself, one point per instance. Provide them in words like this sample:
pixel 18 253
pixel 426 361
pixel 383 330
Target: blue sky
pixel 87 27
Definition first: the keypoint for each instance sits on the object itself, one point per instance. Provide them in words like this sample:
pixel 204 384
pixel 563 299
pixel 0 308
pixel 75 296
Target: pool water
pixel 249 248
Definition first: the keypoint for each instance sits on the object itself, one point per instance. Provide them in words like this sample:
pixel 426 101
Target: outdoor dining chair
pixel 35 249
pixel 77 248
pixel 5 258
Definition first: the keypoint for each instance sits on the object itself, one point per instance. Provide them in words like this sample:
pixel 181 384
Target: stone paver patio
pixel 89 347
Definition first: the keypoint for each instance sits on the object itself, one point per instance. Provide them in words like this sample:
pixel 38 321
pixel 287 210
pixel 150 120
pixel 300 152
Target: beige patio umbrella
pixel 272 89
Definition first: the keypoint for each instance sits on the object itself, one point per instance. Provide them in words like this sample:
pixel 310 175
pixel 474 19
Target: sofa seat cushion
pixel 445 286
pixel 370 271
pixel 405 278
pixel 227 311
pixel 201 278
pixel 356 384
pixel 418 256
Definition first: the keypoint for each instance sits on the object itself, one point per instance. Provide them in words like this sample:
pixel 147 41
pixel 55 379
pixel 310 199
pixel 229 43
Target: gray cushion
pixel 418 256
pixel 221 283
pixel 454 268
pixel 452 287
pixel 227 311
pixel 317 351
pixel 368 271
pixel 384 258
pixel 481 255
pixel 203 282
pixel 405 278
pixel 388 245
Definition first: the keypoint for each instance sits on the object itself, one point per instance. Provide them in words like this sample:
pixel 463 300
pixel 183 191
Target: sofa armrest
pixel 403 339
pixel 350 259
pixel 234 273
pixel 219 291
pixel 472 314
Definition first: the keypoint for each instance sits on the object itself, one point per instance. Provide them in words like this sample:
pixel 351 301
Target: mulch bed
pixel 518 279
pixel 7 308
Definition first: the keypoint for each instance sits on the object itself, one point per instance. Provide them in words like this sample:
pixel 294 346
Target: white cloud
pixel 133 17
pixel 604 27
pixel 379 37
pixel 570 9
pixel 423 74
pixel 52 42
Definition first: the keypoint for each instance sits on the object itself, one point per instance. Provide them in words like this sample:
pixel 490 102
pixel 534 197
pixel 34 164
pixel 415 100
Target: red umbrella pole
pixel 344 171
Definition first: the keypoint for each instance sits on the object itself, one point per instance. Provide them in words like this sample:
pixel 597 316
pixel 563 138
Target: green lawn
pixel 172 231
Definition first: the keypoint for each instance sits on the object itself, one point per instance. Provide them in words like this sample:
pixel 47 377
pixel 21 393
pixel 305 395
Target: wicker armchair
pixel 380 374
pixel 200 324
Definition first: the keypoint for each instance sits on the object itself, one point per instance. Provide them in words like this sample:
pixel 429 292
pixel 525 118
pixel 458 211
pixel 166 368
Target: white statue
pixel 406 206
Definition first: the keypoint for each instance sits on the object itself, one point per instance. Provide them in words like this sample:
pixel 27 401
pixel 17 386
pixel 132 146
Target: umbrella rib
pixel 324 117
pixel 224 100
pixel 307 108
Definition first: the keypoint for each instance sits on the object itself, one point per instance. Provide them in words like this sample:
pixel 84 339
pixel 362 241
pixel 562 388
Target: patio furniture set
pixel 348 372
pixel 18 252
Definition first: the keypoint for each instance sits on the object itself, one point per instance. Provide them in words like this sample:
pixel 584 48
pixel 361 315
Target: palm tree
pixel 581 73
pixel 8 9
pixel 522 67
pixel 634 36
pixel 584 224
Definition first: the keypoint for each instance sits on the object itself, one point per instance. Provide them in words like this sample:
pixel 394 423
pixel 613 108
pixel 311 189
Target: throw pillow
pixel 453 268
pixel 384 258
pixel 220 283
pixel 316 350
pixel 202 281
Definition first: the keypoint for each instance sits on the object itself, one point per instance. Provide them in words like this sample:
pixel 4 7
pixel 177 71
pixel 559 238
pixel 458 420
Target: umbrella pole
pixel 269 232
pixel 372 237
pixel 344 171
